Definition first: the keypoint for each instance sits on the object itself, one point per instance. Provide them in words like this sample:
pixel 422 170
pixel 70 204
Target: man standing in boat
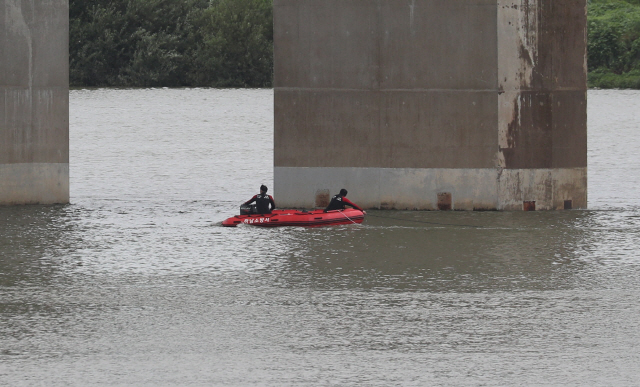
pixel 339 201
pixel 264 202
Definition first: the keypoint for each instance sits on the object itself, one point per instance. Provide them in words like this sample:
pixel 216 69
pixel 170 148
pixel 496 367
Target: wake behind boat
pixel 279 218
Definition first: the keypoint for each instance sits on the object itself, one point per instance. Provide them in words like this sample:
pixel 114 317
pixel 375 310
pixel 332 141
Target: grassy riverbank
pixel 156 43
pixel 614 44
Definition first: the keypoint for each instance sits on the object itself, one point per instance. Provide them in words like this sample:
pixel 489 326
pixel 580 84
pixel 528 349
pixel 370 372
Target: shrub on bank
pixel 603 79
pixel 613 43
pixel 153 43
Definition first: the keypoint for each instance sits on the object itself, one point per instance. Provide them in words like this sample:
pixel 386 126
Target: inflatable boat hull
pixel 280 218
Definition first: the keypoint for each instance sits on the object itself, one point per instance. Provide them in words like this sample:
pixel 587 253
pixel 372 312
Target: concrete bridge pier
pixel 431 104
pixel 34 101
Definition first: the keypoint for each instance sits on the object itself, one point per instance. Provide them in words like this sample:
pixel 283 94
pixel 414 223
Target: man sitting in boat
pixel 264 202
pixel 339 201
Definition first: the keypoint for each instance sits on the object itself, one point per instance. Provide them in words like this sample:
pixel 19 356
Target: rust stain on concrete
pixel 529 133
pixel 444 201
pixel 322 198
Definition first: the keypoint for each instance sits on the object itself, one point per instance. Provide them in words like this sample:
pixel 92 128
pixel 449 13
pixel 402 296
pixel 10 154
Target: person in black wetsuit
pixel 264 202
pixel 339 201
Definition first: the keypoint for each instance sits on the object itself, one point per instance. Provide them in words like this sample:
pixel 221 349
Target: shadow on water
pixel 393 250
pixel 30 239
pixel 436 251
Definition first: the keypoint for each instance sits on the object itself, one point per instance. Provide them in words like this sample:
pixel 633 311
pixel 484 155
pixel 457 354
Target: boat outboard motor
pixel 248 209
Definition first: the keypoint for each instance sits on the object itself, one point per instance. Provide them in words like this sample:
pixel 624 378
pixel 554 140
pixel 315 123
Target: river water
pixel 135 283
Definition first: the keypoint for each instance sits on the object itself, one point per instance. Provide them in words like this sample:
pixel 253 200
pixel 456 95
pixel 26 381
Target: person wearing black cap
pixel 264 202
pixel 339 201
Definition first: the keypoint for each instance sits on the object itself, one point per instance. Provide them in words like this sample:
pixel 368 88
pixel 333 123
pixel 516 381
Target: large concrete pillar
pixel 34 101
pixel 427 104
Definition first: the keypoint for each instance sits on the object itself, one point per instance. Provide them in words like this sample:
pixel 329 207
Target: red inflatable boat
pixel 316 218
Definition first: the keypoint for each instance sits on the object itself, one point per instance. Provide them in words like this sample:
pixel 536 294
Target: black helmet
pixel 263 188
pixel 343 192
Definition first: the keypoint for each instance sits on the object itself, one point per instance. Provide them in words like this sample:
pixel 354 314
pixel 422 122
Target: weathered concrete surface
pixel 482 101
pixel 390 84
pixel 34 183
pixel 470 189
pixel 543 95
pixel 34 101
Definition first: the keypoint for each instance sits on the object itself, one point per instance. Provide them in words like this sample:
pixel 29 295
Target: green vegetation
pixel 614 44
pixel 229 43
pixel 216 43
